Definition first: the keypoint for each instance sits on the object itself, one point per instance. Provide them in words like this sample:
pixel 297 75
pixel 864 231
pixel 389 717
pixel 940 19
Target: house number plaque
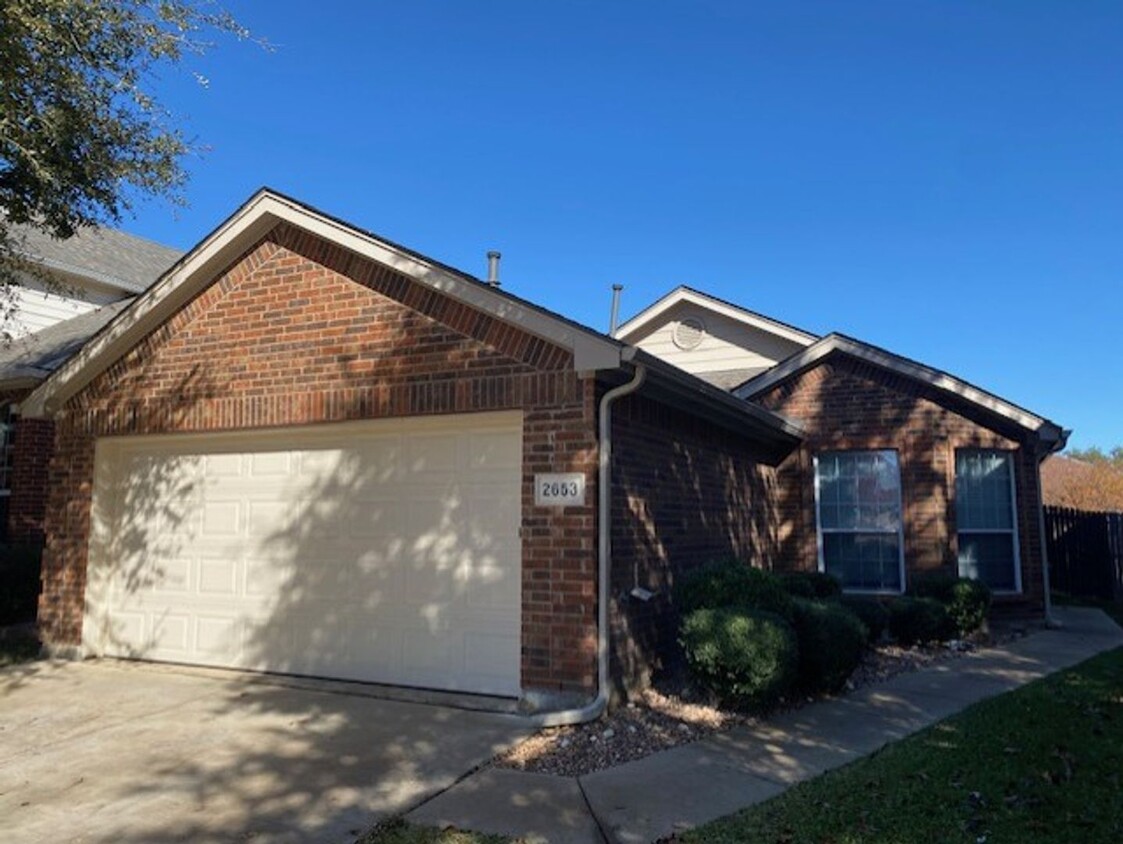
pixel 565 489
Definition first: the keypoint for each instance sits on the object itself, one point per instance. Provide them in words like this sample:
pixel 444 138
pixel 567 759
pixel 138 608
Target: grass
pixel 1043 764
pixel 399 832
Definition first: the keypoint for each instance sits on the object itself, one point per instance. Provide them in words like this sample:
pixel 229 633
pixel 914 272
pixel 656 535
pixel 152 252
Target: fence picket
pixel 1085 552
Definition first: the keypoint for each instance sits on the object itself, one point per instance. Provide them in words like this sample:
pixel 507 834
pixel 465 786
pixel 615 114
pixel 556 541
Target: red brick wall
pixel 299 331
pixel 31 453
pixel 27 503
pixel 684 492
pixel 847 404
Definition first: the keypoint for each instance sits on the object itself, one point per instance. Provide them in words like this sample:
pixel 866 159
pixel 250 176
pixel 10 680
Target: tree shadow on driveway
pixel 128 753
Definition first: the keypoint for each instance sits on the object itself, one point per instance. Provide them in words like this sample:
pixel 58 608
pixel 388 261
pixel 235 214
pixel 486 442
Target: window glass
pixel 7 441
pixel 859 500
pixel 984 510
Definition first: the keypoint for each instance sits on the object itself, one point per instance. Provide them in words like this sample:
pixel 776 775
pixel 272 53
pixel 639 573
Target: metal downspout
pixel 594 708
pixel 1050 621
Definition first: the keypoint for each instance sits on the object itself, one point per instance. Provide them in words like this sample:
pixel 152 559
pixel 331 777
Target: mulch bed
pixel 674 713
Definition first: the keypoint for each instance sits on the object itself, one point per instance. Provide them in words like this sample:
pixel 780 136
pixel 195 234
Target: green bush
pixel 746 657
pixel 967 601
pixel 913 620
pixel 831 642
pixel 871 612
pixel 813 585
pixel 727 583
pixel 19 583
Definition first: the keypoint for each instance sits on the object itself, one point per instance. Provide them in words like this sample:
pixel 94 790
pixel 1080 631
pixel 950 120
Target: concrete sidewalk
pixel 692 784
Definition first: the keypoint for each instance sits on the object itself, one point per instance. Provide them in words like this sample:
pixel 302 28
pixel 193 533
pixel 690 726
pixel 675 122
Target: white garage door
pixel 384 551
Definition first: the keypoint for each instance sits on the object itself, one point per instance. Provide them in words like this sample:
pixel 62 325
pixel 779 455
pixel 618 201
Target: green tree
pixel 1098 456
pixel 82 133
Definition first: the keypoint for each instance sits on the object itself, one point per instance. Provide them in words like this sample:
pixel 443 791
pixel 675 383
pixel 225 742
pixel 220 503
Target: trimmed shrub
pixel 913 620
pixel 871 612
pixel 727 583
pixel 746 657
pixel 19 583
pixel 967 601
pixel 813 585
pixel 831 642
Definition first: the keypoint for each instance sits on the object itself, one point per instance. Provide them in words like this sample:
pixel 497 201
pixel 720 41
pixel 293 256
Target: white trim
pixel 701 300
pixel 1013 530
pixel 900 521
pixel 895 363
pixel 245 227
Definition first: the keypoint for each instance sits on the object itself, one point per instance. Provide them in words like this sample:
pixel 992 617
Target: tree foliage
pixel 82 133
pixel 1096 455
pixel 1084 480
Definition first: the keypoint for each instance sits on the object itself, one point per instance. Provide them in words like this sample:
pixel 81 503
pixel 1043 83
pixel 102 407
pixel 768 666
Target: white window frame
pixel 900 521
pixel 1013 529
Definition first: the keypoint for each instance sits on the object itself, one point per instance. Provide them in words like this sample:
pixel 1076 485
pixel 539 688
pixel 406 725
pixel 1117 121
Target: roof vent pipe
pixel 493 268
pixel 614 320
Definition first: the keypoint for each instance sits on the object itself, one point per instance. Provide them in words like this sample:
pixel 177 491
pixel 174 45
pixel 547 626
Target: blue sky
pixel 941 178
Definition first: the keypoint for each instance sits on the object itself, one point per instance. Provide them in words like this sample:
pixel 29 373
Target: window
pixel 858 496
pixel 985 519
pixel 8 417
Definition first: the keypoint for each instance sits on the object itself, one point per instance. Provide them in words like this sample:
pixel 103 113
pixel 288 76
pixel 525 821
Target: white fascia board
pixel 683 294
pixel 911 369
pixel 245 228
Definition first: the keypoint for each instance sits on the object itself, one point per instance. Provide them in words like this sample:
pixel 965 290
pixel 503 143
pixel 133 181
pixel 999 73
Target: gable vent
pixel 688 333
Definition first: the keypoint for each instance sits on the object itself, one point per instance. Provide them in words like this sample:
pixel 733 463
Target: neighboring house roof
pixel 103 255
pixel 592 350
pixel 1053 436
pixel 727 379
pixel 28 360
pixel 684 294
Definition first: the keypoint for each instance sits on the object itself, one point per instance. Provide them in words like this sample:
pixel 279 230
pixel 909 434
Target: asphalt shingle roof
pixel 38 355
pixel 106 255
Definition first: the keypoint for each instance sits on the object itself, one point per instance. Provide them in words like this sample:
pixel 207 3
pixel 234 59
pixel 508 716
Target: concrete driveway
pixel 130 753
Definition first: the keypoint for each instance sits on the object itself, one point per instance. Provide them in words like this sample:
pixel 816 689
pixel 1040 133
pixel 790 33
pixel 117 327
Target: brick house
pixel 77 286
pixel 902 470
pixel 308 450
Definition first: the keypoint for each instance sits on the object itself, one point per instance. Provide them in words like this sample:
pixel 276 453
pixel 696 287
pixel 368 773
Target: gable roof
pixel 1051 434
pixel 28 360
pixel 107 256
pixel 682 293
pixel 592 350
pixel 244 228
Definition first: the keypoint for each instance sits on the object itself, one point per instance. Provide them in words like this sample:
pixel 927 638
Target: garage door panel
pixel 428 455
pixel 386 552
pixel 218 576
pixel 489 654
pixel 276 464
pixel 171 634
pixel 171 576
pixel 217 466
pixel 493 451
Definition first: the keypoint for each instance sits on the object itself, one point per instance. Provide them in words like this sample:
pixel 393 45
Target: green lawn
pixel 1041 764
pixel 400 832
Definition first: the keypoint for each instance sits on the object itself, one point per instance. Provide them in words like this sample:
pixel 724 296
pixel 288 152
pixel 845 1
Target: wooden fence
pixel 1085 552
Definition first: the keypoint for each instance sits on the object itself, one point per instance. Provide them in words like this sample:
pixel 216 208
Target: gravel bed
pixel 675 713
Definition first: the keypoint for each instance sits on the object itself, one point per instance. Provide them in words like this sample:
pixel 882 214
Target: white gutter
pixel 594 708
